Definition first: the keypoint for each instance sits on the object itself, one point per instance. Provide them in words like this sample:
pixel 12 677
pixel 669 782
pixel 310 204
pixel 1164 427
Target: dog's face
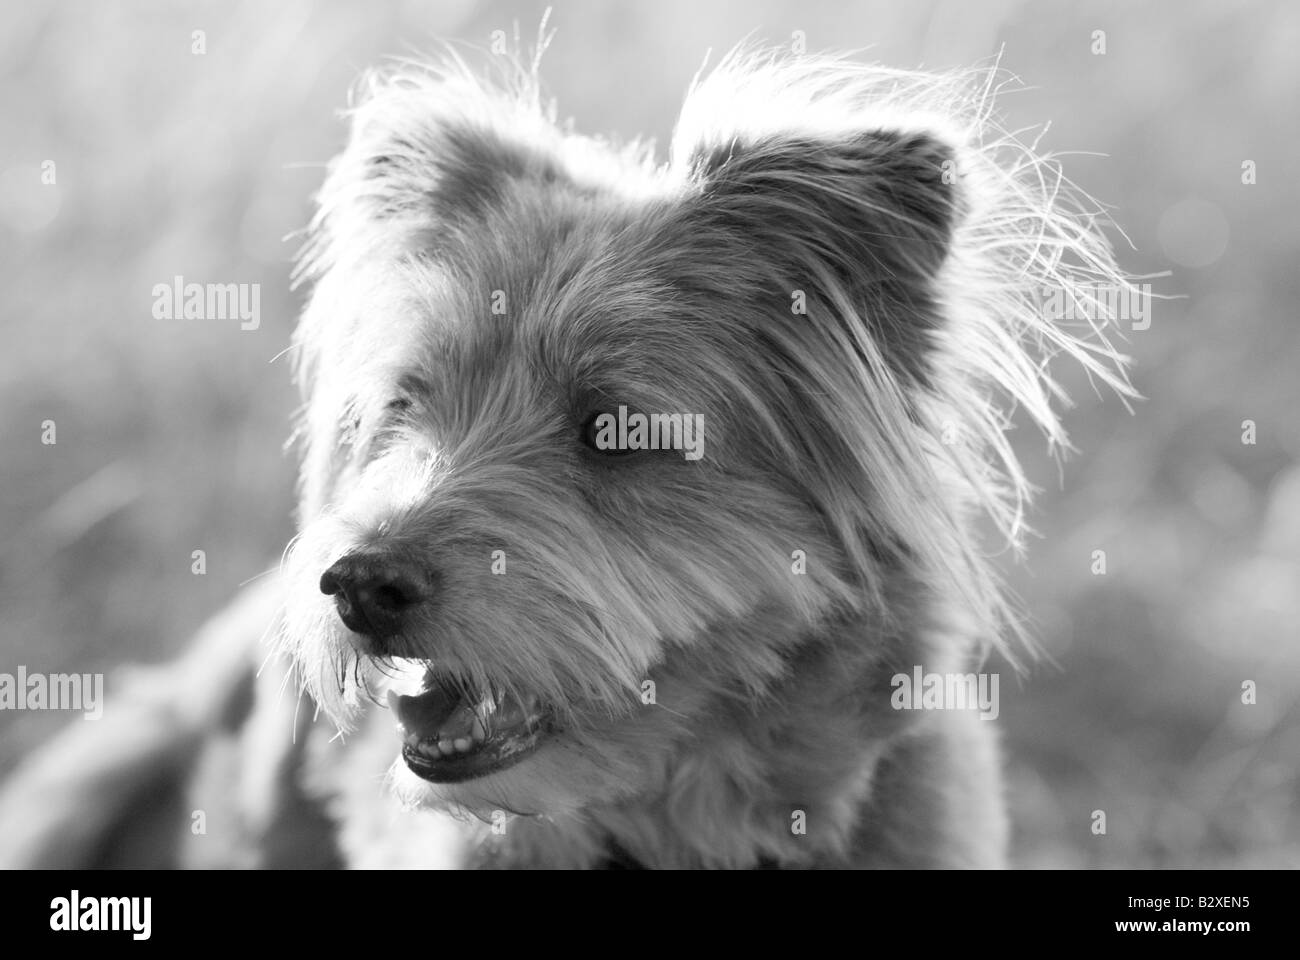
pixel 574 611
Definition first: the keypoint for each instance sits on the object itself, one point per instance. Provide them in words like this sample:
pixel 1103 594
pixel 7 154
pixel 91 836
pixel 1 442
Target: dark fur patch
pixel 872 210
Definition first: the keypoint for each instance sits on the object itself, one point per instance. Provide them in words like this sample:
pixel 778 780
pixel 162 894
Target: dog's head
pixel 595 448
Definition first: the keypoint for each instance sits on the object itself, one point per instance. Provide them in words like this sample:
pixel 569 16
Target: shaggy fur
pixel 839 267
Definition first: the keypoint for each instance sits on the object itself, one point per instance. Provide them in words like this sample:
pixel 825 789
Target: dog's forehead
pixel 549 281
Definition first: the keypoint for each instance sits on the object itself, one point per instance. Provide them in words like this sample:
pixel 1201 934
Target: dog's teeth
pixel 462 745
pixel 445 748
pixel 477 732
pixel 427 748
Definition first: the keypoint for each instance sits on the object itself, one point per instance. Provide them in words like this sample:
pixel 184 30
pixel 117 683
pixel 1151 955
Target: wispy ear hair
pixel 927 236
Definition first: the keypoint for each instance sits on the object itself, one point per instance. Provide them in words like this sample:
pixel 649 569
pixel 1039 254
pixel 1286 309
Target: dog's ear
pixel 867 216
pixel 432 161
pixel 449 169
pixel 427 157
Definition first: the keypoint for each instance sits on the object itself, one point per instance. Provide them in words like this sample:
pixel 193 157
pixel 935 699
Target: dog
pixel 616 654
pixel 630 490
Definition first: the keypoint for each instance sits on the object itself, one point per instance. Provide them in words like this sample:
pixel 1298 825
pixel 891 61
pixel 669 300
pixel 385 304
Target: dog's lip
pixel 492 757
pixel 451 734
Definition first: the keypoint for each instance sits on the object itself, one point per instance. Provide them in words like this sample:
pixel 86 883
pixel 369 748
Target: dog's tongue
pixel 424 715
pixel 444 714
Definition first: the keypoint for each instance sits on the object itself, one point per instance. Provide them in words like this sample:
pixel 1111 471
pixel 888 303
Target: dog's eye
pixel 600 433
pixel 396 413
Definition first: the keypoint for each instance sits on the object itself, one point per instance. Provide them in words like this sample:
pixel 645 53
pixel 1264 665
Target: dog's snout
pixel 374 595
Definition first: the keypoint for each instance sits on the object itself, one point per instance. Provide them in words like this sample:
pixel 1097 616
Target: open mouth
pixel 451 732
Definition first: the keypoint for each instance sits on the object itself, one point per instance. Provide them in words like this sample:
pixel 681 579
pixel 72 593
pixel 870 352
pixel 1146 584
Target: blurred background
pixel 170 432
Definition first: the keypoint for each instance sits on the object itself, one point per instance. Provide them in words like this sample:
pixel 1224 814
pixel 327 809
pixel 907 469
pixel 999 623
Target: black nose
pixel 374 594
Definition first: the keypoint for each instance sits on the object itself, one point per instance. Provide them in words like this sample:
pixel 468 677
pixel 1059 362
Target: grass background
pixel 170 432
